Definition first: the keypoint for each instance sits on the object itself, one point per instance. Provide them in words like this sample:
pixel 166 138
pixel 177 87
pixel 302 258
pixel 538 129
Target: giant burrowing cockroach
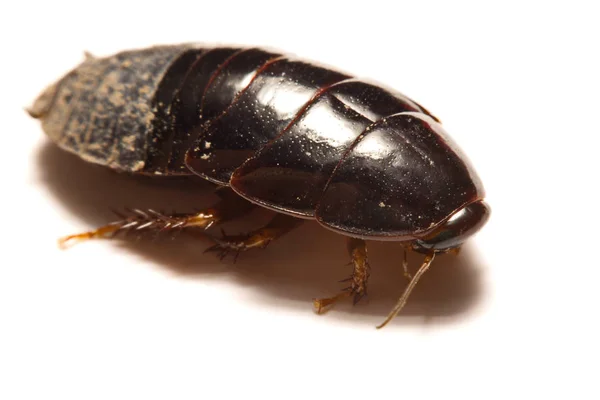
pixel 271 130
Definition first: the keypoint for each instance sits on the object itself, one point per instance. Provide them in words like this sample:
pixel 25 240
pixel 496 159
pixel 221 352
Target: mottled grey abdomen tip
pixel 103 109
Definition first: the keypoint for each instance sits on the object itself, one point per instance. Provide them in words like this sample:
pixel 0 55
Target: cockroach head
pixel 451 234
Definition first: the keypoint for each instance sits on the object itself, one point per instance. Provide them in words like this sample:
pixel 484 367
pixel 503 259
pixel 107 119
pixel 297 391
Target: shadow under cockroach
pixel 304 264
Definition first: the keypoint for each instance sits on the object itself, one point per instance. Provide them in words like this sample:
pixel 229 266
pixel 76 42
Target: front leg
pixel 359 278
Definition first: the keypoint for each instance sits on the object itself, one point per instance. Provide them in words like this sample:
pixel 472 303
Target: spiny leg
pixel 413 282
pixel 360 275
pixel 259 238
pixel 229 206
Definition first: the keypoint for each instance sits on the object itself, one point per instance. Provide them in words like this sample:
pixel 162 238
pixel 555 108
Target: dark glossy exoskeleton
pixel 295 137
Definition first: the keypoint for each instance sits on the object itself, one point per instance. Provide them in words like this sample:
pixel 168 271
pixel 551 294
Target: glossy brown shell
pixel 285 133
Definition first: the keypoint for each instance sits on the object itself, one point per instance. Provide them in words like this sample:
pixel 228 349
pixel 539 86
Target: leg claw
pixel 322 305
pixel 223 251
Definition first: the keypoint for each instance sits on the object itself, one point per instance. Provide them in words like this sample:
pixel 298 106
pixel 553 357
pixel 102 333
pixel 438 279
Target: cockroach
pixel 275 131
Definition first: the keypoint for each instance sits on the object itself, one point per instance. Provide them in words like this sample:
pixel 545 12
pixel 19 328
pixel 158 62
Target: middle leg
pixel 259 238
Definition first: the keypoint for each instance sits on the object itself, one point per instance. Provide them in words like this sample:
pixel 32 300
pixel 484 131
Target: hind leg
pixel 230 206
pixel 357 248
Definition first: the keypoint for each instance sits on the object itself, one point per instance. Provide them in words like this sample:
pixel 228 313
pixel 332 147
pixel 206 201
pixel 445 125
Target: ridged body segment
pixel 287 134
pixel 400 179
pixel 269 104
pixel 291 172
pixel 187 117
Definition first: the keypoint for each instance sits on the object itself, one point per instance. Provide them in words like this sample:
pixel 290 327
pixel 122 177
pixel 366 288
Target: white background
pixel 514 316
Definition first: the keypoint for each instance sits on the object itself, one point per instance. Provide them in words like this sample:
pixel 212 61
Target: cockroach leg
pixel 140 222
pixel 359 278
pixel 413 282
pixel 260 238
pixel 407 273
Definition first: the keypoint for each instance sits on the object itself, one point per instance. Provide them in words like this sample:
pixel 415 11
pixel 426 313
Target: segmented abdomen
pixel 278 129
pixel 142 110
